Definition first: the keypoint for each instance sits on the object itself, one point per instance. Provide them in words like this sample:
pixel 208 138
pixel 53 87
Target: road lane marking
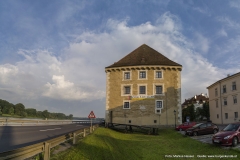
pixel 49 129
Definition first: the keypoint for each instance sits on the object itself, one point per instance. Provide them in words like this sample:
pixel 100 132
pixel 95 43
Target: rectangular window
pixel 158 74
pixel 225 101
pixel 216 92
pixel 235 114
pixel 234 86
pixel 217 116
pixel 126 75
pixel 142 89
pixel 126 105
pixel 142 74
pixel 127 90
pixel 224 89
pixel 155 121
pixel 226 115
pixel 234 99
pixel 216 103
pixel 158 104
pixel 159 89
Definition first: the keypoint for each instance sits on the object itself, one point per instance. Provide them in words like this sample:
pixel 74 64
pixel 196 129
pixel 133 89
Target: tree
pixel 189 112
pixel 45 114
pixel 70 116
pixel 206 112
pixel 19 109
pixel 31 112
pixel 11 111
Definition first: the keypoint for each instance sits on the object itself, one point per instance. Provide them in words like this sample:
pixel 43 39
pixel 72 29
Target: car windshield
pixel 231 127
pixel 195 126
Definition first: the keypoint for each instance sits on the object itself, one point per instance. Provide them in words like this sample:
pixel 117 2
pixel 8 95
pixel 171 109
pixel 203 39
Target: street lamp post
pixel 175 117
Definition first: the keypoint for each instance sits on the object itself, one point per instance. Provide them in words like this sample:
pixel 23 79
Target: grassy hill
pixel 106 144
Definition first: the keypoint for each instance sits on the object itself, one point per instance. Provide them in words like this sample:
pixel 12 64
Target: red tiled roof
pixel 144 55
pixel 194 99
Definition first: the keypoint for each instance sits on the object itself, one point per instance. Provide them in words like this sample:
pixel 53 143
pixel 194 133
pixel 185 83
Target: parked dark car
pixel 202 128
pixel 185 126
pixel 229 136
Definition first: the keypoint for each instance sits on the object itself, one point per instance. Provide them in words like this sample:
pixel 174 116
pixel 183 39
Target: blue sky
pixel 53 53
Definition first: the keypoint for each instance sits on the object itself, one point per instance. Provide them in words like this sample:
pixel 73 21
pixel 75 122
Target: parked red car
pixel 229 136
pixel 202 128
pixel 185 126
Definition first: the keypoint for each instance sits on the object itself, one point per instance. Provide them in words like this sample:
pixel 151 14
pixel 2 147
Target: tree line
pixel 20 110
pixel 198 114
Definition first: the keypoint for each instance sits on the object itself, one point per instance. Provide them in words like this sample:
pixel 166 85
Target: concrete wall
pixel 142 110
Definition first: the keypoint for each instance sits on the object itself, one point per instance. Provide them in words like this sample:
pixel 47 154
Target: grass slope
pixel 106 144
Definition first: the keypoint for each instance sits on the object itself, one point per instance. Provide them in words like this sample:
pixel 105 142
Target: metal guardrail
pixel 44 147
pixel 21 122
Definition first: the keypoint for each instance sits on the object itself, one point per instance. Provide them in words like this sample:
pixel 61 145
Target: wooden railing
pixel 44 147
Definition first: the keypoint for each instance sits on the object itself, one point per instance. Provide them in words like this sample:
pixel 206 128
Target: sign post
pixel 91 116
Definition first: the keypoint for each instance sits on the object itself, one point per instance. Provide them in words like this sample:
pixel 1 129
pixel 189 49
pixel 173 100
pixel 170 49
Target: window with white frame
pixel 224 101
pixel 158 74
pixel 216 92
pixel 158 106
pixel 216 103
pixel 224 89
pixel 226 115
pixel 127 75
pixel 142 89
pixel 234 86
pixel 126 105
pixel 234 99
pixel 235 114
pixel 142 74
pixel 127 89
pixel 158 89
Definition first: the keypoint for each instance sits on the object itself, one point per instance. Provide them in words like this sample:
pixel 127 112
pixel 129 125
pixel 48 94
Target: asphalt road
pixel 13 137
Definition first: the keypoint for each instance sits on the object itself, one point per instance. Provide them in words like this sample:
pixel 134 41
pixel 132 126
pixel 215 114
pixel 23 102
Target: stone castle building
pixel 143 88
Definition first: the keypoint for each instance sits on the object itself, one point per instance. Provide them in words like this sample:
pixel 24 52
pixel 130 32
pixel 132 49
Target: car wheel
pixel 215 131
pixel 180 129
pixel 234 141
pixel 195 134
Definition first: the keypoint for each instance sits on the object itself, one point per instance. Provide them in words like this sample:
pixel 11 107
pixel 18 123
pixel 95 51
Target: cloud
pixel 203 11
pixel 229 22
pixel 235 4
pixel 62 89
pixel 201 43
pixel 222 32
pixel 77 75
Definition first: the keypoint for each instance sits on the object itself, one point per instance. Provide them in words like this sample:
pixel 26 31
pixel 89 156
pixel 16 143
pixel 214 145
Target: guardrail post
pixel 93 128
pixel 74 138
pixel 46 151
pixel 90 129
pixel 84 132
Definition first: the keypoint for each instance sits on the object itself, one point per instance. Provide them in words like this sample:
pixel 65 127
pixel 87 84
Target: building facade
pixel 196 100
pixel 143 88
pixel 224 100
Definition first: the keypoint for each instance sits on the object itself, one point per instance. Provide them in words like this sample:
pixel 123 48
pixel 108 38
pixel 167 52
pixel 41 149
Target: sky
pixel 53 54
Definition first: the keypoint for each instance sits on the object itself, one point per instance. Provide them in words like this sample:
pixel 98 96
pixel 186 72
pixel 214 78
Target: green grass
pixel 106 144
